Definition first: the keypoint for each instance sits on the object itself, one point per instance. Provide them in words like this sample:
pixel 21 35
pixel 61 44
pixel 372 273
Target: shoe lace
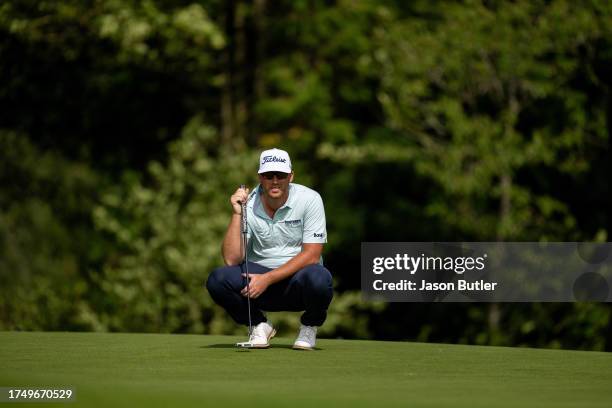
pixel 308 333
pixel 257 332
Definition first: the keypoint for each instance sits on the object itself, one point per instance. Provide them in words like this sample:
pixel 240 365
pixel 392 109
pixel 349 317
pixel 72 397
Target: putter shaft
pixel 246 256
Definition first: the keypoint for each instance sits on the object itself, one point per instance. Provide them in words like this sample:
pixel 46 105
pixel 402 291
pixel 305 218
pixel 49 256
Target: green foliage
pixel 42 285
pixel 107 82
pixel 464 92
pixel 167 232
pixel 146 33
pixel 127 124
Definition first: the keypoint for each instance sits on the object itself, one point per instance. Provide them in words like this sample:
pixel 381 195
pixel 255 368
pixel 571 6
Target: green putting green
pixel 160 370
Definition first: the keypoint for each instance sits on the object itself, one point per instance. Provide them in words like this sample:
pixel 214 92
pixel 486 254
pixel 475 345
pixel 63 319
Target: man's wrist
pixel 270 277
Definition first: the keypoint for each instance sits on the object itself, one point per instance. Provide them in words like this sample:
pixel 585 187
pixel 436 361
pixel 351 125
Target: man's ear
pixel 291 178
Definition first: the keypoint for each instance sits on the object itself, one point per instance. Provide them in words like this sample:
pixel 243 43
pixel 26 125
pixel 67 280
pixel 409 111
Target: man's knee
pixel 218 280
pixel 316 278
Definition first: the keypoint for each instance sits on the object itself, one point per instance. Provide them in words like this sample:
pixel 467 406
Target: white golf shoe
pixel 261 335
pixel 306 338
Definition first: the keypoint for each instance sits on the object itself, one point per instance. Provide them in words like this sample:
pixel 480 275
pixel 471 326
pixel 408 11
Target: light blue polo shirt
pixel 301 220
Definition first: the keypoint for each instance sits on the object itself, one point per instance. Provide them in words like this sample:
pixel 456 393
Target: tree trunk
pixel 227 99
pixel 256 79
pixel 505 204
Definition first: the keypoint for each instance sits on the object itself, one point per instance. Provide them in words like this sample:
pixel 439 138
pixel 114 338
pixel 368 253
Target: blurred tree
pixel 46 243
pixel 167 233
pixel 491 115
pixel 91 92
pixel 109 82
pixel 475 95
pixel 471 120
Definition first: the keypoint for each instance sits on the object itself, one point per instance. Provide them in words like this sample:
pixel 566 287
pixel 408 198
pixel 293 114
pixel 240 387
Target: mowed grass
pixel 159 370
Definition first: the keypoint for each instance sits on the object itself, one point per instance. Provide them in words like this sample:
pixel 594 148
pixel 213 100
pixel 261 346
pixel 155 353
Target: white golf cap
pixel 274 160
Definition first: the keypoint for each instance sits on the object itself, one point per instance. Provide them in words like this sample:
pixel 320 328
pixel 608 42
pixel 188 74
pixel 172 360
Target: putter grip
pixel 244 212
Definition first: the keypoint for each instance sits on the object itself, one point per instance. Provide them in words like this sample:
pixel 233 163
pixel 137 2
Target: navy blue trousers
pixel 309 289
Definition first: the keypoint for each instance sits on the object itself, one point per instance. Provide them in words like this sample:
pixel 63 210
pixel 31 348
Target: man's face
pixel 275 183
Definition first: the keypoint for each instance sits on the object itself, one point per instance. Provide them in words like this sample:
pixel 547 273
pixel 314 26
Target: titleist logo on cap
pixel 268 159
pixel 274 160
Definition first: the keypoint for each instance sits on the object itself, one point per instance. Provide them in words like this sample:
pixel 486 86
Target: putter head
pixel 244 344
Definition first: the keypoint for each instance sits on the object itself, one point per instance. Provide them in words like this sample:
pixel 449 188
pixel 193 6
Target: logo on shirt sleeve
pixel 319 235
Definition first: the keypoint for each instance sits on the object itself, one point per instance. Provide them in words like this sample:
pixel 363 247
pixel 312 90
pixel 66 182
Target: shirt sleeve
pixel 315 231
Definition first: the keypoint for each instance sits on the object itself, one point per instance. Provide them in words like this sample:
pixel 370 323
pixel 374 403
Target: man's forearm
pixel 232 248
pixel 296 263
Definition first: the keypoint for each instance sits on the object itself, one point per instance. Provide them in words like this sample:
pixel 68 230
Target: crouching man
pixel 286 233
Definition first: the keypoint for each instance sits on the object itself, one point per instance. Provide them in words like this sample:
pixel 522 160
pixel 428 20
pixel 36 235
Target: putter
pixel 246 344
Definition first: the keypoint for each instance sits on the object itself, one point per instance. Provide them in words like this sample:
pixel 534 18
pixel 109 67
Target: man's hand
pixel 240 196
pixel 257 285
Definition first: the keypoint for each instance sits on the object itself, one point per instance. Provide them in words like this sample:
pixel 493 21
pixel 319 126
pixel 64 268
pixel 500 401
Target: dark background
pixel 126 125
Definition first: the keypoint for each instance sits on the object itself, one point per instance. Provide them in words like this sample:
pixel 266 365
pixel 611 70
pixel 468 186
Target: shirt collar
pixel 291 198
